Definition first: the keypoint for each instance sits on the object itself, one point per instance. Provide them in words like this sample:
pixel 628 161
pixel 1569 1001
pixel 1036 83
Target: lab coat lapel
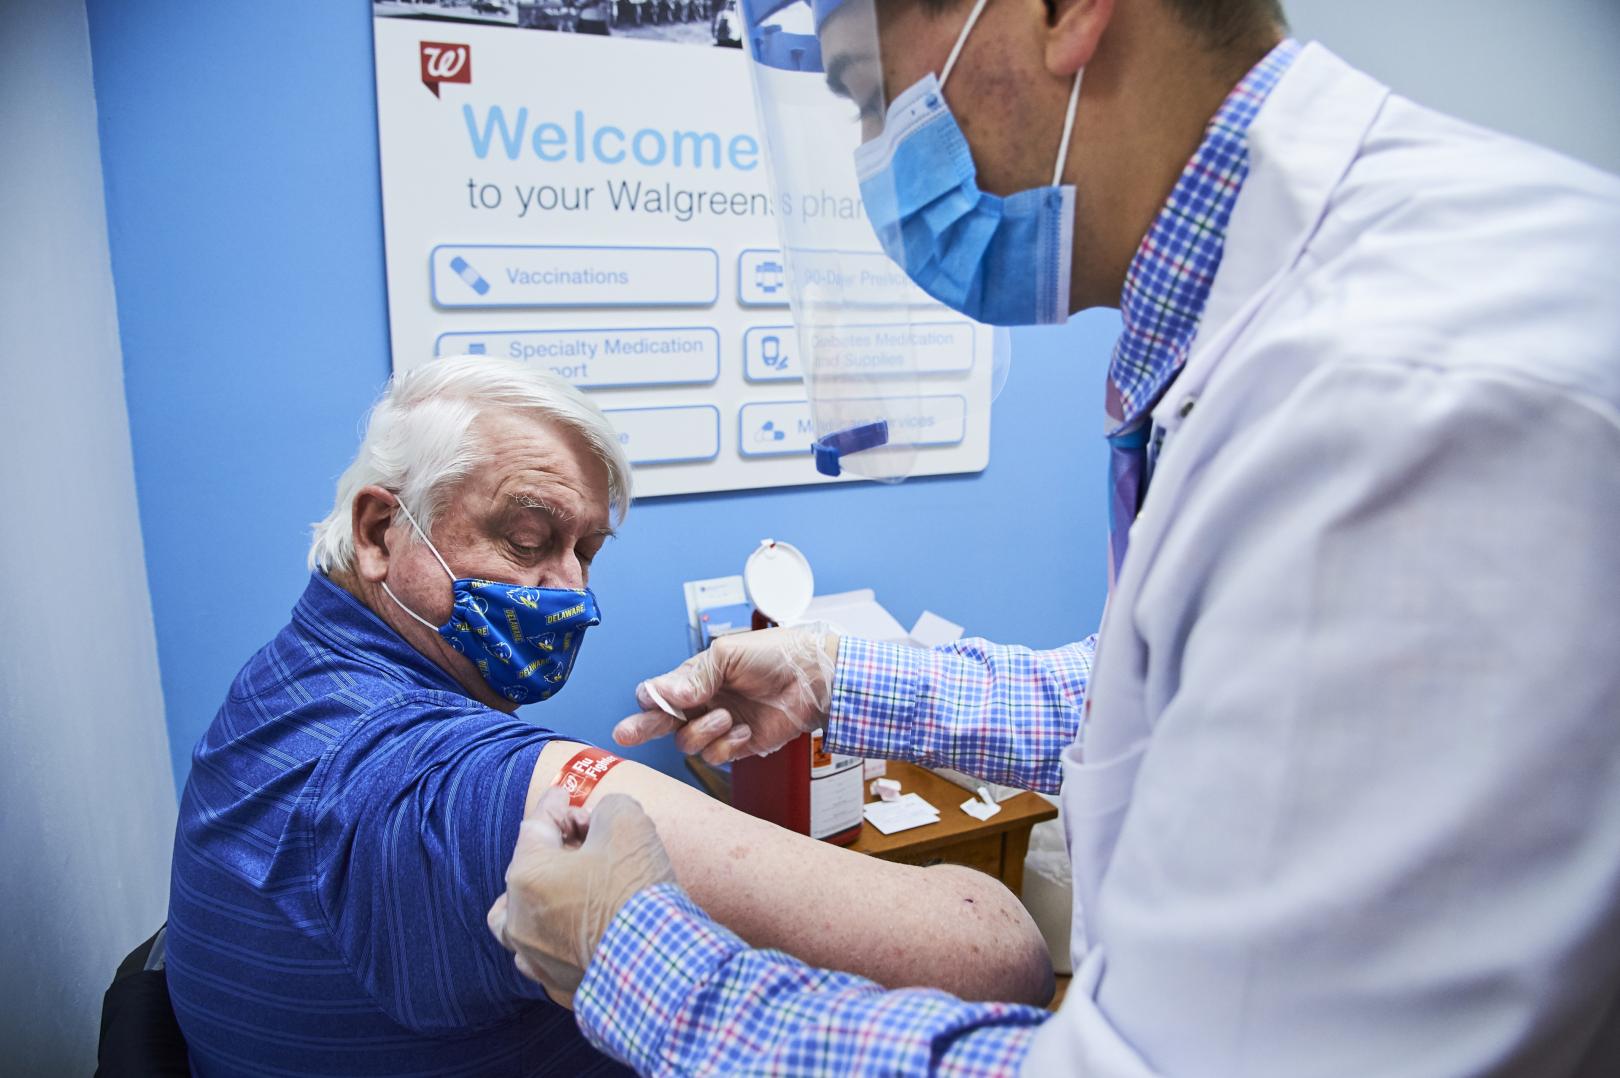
pixel 1305 139
pixel 1301 145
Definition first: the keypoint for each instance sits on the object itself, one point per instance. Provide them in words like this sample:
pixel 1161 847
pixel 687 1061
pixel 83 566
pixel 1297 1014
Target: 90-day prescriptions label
pixel 595 203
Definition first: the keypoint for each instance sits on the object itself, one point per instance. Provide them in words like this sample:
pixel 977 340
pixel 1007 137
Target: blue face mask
pixel 523 640
pixel 1003 261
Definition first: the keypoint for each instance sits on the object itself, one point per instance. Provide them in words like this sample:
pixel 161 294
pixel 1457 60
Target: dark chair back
pixel 139 1035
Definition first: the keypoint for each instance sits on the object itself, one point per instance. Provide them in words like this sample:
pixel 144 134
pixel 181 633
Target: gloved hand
pixel 570 872
pixel 757 692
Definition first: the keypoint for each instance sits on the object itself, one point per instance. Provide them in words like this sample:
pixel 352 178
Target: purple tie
pixel 1128 473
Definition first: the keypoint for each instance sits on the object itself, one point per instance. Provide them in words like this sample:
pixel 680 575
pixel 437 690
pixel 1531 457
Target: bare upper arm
pixel 897 924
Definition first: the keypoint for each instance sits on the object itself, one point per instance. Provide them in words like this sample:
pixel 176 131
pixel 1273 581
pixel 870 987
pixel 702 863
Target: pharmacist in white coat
pixel 1342 777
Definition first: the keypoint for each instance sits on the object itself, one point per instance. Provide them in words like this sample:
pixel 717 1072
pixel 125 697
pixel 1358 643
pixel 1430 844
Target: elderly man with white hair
pixel 350 812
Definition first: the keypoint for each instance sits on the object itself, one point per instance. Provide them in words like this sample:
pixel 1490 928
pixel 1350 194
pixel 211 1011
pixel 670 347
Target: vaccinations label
pixel 491 275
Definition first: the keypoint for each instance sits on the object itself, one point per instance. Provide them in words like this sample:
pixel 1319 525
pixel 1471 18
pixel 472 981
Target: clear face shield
pixel 881 358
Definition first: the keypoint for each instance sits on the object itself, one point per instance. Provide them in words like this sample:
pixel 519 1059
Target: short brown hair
pixel 1222 24
pixel 1225 23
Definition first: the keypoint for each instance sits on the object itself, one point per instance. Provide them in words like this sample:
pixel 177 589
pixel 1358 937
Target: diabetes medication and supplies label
pixel 597 206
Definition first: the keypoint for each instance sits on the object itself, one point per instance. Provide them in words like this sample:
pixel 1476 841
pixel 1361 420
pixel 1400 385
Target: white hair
pixel 419 441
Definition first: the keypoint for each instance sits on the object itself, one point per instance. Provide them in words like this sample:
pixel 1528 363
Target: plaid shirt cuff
pixel 670 992
pixel 999 712
pixel 873 711
pixel 656 950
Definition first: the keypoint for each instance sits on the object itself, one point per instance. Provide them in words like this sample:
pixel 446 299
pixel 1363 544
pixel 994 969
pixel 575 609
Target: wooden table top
pixel 1021 810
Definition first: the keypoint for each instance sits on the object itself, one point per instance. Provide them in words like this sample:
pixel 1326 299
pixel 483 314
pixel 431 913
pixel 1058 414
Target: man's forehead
pixel 531 463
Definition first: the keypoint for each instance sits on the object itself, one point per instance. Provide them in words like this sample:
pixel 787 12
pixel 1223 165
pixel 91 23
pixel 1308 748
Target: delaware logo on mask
pixel 529 636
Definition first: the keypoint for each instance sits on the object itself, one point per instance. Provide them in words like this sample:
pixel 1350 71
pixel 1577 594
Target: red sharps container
pixel 800 786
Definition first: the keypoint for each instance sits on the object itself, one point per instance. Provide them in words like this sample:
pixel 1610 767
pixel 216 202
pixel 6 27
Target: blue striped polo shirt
pixel 347 823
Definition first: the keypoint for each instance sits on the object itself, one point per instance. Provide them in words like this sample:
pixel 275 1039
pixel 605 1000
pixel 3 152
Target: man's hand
pixel 570 873
pixel 758 691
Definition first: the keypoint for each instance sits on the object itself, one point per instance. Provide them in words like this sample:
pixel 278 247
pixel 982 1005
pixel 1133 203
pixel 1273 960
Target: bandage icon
pixel 460 268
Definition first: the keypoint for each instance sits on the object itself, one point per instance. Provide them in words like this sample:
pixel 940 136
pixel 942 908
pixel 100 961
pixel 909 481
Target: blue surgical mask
pixel 1003 261
pixel 523 640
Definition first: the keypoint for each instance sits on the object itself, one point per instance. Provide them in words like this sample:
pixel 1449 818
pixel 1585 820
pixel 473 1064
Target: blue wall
pixel 240 154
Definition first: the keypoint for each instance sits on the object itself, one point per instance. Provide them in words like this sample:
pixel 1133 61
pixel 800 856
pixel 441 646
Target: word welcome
pixel 608 144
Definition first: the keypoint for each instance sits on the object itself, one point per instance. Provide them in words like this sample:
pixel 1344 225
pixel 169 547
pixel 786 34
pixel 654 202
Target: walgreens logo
pixel 443 61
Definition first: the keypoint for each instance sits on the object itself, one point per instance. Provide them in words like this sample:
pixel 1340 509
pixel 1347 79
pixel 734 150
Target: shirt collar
pixel 1169 279
pixel 351 628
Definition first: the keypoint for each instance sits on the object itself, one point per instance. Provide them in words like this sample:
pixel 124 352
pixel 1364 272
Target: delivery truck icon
pixel 768 277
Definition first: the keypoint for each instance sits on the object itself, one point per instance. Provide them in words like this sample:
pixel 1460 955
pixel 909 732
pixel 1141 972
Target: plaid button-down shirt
pixel 671 992
pixel 1166 287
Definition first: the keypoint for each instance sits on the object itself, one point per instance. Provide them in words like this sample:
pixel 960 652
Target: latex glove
pixel 756 691
pixel 571 871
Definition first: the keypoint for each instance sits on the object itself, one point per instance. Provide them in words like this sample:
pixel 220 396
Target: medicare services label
pixel 783 428
pixel 491 275
pixel 599 358
pixel 668 435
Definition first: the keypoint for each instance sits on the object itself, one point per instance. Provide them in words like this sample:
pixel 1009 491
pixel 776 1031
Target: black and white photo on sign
pixel 682 22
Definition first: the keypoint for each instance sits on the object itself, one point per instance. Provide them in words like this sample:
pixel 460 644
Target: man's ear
pixel 1075 28
pixel 373 515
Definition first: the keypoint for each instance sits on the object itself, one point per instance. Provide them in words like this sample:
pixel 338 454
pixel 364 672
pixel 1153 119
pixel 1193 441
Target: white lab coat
pixel 1348 798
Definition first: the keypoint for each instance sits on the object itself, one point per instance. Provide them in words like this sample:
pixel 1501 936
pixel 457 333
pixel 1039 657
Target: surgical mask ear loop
pixel 1068 128
pixel 437 556
pixel 1074 91
pixel 961 39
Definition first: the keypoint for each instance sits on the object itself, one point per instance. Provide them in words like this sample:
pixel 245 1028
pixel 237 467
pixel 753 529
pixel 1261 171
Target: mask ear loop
pixel 961 39
pixel 445 565
pixel 390 591
pixel 1068 128
pixel 1074 91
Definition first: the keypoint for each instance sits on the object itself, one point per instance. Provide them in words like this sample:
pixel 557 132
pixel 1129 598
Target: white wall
pixel 1544 70
pixel 86 794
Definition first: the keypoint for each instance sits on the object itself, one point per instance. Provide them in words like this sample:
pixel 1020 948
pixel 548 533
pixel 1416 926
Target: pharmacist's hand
pixel 571 871
pixel 749 693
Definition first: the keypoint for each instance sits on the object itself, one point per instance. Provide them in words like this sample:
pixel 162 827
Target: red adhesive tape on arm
pixel 581 774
